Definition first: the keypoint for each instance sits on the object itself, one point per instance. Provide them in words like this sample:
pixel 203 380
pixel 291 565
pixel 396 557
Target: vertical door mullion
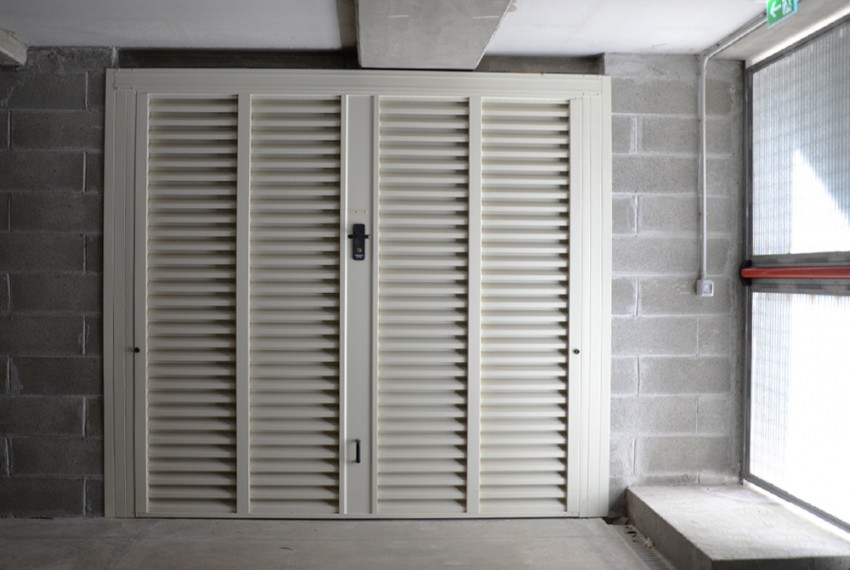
pixel 343 304
pixel 139 268
pixel 243 283
pixel 358 286
pixel 576 452
pixel 376 252
pixel 473 388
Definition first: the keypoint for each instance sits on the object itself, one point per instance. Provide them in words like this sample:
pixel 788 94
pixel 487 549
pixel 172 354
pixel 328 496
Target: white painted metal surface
pixel 423 232
pixel 295 305
pixel 298 352
pixel 186 284
pixel 525 306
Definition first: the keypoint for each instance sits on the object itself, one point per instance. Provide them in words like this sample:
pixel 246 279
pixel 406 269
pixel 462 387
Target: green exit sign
pixel 778 10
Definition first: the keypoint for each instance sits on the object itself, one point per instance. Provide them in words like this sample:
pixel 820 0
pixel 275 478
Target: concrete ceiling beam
pixel 12 50
pixel 431 34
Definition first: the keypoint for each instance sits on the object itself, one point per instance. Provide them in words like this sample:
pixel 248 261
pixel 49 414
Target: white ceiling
pixel 588 27
pixel 532 27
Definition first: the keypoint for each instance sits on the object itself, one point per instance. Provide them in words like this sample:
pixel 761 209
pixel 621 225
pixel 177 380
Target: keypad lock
pixel 358 239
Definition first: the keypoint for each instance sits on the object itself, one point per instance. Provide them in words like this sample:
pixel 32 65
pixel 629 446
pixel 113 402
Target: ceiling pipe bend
pixel 705 287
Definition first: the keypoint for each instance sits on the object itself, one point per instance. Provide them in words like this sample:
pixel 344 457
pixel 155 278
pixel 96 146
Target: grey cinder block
pixel 622 460
pixel 624 375
pixel 4 294
pixel 623 296
pixel 689 375
pixel 65 60
pixel 623 133
pixel 78 375
pixel 94 172
pixel 648 67
pixel 653 96
pixel 94 253
pixel 633 173
pixel 66 456
pixel 5 386
pixel 30 415
pixel 654 335
pixel 41 335
pixel 654 414
pixel 37 292
pixel 679 213
pixel 41 497
pixel 94 497
pixel 41 171
pixel 96 90
pixel 66 212
pixel 42 252
pixel 681 135
pixel 624 214
pixel 656 255
pixel 94 417
pixel 683 454
pixel 523 64
pixel 676 296
pixel 41 130
pixel 719 96
pixel 716 334
pixel 4 129
pixel 94 335
pixel 716 415
pixel 4 212
pixel 4 459
pixel 27 89
pixel 725 177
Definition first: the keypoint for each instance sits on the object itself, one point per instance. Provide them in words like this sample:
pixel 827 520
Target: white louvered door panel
pixel 280 376
pixel 422 306
pixel 190 305
pixel 295 306
pixel 524 306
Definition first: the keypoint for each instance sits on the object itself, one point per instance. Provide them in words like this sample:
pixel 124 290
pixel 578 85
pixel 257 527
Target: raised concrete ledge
pixel 733 528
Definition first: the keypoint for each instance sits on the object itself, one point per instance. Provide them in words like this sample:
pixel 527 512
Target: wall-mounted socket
pixel 705 288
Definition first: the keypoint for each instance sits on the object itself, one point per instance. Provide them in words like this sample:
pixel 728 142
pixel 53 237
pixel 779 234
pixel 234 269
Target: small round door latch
pixel 137 350
pixel 576 351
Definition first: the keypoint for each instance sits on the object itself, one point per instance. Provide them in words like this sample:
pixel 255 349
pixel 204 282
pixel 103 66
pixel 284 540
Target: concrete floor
pixel 70 544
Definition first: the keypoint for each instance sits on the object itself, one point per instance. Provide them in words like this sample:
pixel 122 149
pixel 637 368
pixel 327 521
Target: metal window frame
pixel 822 286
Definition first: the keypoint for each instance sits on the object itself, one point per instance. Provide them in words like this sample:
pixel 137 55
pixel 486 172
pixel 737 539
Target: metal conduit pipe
pixel 704 286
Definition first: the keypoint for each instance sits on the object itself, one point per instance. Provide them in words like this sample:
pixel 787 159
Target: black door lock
pixel 358 246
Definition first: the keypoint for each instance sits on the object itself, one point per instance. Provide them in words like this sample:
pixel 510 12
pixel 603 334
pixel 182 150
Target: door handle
pixel 356 451
pixel 358 245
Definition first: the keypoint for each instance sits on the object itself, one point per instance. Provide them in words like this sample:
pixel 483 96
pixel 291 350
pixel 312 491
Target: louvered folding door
pixel 291 276
pixel 473 213
pixel 276 375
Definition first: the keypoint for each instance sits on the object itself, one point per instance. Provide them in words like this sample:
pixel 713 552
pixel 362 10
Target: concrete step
pixel 734 528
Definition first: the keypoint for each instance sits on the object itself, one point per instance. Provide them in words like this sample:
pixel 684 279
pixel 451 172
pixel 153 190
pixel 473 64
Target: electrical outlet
pixel 705 288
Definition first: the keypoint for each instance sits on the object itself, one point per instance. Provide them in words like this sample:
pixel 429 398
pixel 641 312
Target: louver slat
pixel 525 218
pixel 422 306
pixel 294 300
pixel 191 257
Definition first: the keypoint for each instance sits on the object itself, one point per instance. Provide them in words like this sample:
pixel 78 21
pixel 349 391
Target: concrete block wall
pixel 51 223
pixel 676 370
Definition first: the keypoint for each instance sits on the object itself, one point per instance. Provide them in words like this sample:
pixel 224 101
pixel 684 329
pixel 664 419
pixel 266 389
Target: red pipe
pixel 796 273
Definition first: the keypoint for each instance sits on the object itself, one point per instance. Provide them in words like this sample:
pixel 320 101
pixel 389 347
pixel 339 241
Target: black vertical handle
pixel 358 245
pixel 356 451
